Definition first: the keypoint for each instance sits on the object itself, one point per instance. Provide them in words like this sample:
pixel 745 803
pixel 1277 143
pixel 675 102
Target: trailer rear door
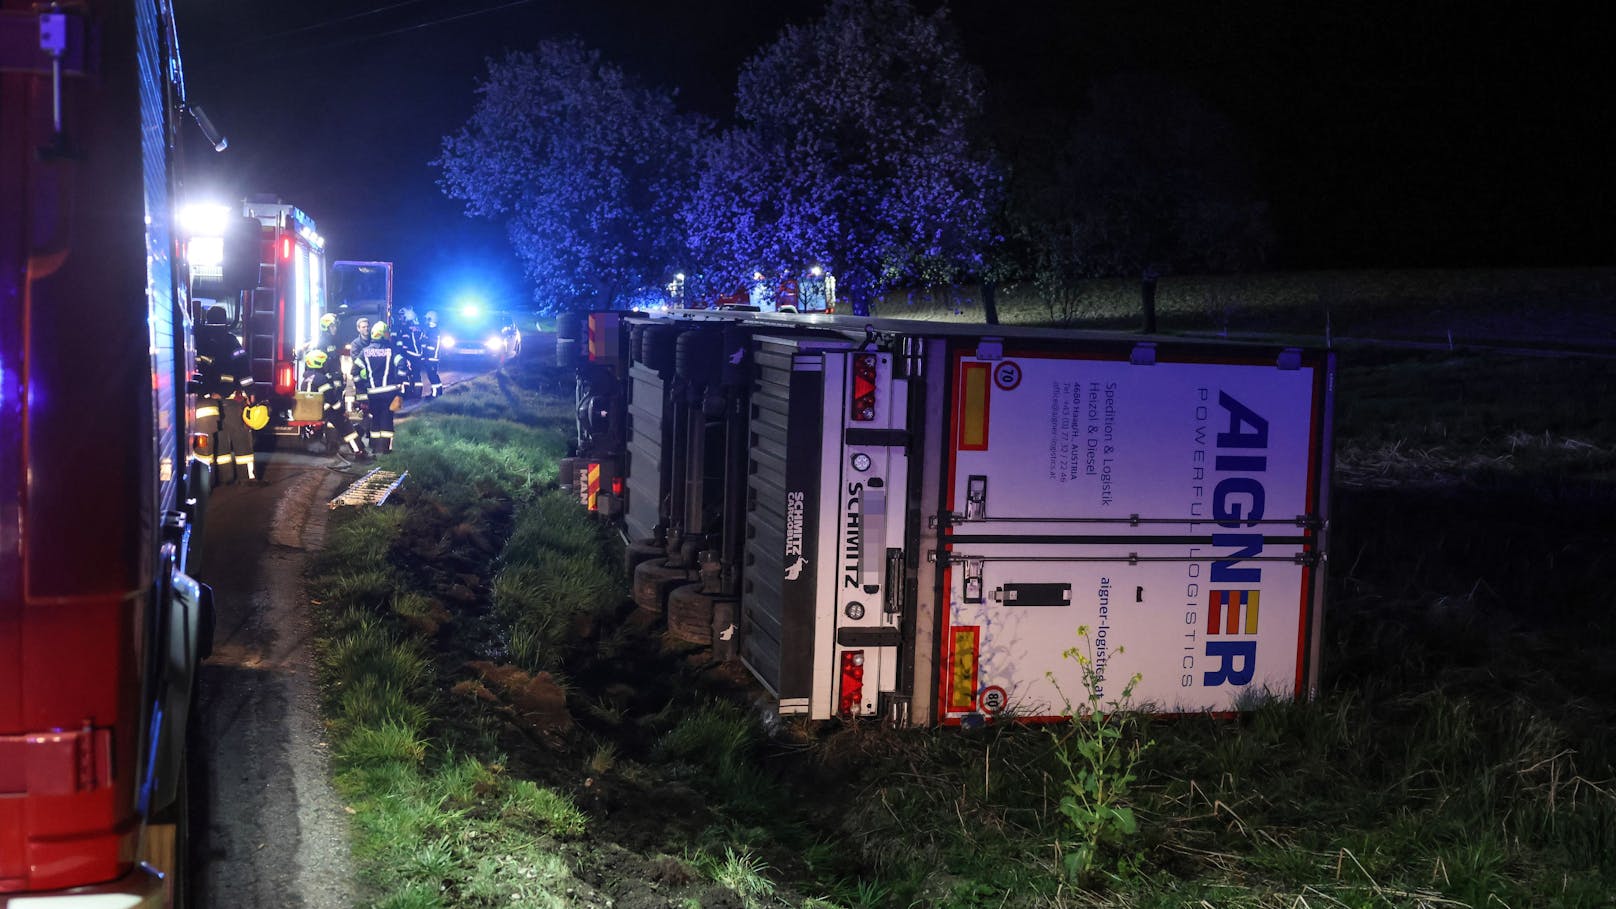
pixel 1159 519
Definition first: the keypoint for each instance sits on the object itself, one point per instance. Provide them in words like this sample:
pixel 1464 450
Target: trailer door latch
pixel 976 497
pixel 973 581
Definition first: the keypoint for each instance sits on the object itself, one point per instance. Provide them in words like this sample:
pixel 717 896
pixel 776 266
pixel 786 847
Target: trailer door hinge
pixel 990 349
pixel 914 357
pixel 1143 354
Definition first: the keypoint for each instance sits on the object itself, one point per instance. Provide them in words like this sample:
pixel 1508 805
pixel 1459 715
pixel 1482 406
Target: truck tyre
pixel 566 354
pixel 570 326
pixel 658 346
pixel 636 343
pixel 690 614
pixel 653 580
pixel 641 551
pixel 698 355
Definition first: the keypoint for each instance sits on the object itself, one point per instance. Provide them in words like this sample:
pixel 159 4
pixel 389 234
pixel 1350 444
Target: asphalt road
pixel 266 828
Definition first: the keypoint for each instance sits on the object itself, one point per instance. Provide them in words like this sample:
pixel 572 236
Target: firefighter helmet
pixel 314 359
pixel 328 321
pixel 378 331
pixel 256 416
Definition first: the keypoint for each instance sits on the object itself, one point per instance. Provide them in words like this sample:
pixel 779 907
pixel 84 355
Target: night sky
pixel 1407 134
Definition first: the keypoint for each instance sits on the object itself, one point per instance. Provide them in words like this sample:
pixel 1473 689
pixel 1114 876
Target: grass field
pixel 1411 303
pixel 508 734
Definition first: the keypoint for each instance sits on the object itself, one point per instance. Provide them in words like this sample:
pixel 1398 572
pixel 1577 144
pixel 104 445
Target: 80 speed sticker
pixel 992 700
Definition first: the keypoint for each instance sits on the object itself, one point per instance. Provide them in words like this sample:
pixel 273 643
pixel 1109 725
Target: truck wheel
pixel 697 356
pixel 658 345
pixel 652 582
pixel 570 326
pixel 690 614
pixel 642 551
pixel 566 353
pixel 569 338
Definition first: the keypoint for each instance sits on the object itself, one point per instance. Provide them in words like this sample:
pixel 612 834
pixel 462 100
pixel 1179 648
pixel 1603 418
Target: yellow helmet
pixel 256 416
pixel 328 321
pixel 314 359
pixel 378 331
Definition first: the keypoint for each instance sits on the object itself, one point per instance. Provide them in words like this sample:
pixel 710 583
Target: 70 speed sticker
pixel 1007 374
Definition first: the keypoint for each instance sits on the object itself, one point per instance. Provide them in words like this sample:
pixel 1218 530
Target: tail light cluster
pixel 852 688
pixel 285 380
pixel 863 404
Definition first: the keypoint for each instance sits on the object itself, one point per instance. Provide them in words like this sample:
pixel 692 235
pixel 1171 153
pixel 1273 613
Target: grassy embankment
pixel 1459 753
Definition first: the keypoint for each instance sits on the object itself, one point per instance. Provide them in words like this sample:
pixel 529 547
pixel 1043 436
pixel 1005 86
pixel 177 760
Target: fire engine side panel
pixel 1171 510
pixel 646 435
pixel 89 425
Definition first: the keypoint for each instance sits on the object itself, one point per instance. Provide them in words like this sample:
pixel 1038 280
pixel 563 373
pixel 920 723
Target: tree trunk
pixel 990 302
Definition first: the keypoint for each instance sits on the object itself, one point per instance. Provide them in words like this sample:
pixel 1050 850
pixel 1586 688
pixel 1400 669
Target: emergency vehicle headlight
pixel 206 252
pixel 494 343
pixel 201 219
pixel 446 341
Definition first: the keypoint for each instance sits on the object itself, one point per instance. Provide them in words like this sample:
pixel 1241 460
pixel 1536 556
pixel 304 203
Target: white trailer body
pixel 1171 512
pixel 938 524
pixel 937 520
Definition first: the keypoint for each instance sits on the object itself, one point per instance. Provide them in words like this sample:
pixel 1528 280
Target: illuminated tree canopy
pixel 857 148
pixel 585 167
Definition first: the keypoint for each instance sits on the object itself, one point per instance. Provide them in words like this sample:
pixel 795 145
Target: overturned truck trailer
pixel 922 520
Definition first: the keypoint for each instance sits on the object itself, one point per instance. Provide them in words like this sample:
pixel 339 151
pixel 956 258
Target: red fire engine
pixel 266 269
pixel 100 626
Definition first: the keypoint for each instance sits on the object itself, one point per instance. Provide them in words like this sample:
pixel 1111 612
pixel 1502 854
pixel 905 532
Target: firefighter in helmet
pixel 226 383
pixel 327 339
pixel 407 341
pixel 432 383
pixel 323 373
pixel 379 366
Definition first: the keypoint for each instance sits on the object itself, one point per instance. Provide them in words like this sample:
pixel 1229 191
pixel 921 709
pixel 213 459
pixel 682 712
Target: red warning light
pixel 852 688
pixel 863 404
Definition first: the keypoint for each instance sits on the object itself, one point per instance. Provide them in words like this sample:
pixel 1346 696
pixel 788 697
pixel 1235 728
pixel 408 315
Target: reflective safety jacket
pixel 378 368
pixel 429 343
pixel 327 381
